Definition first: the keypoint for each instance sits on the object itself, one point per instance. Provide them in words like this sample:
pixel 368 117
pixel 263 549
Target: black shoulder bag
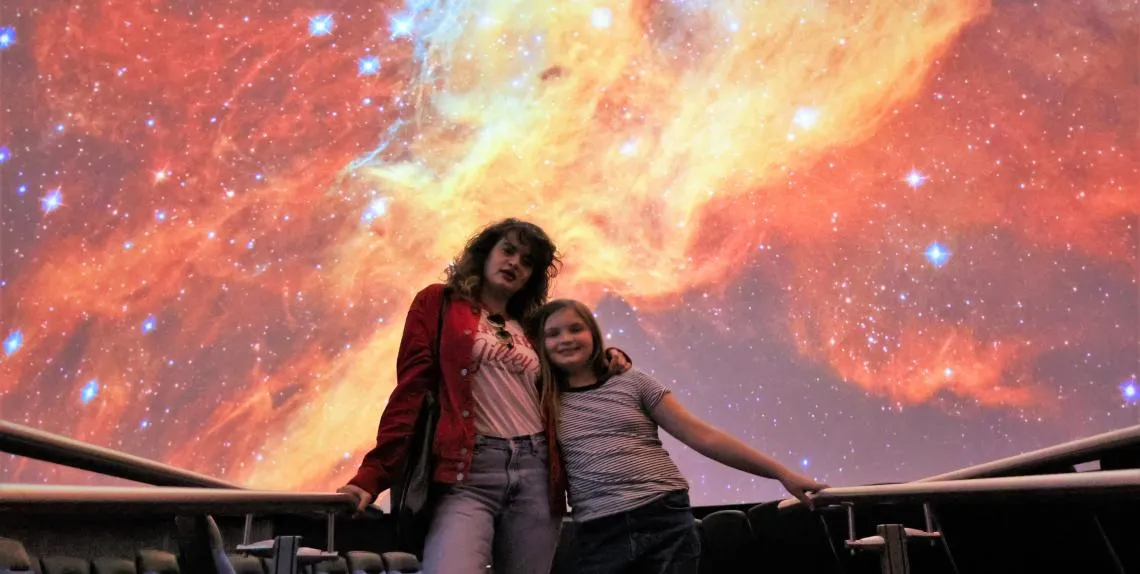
pixel 412 494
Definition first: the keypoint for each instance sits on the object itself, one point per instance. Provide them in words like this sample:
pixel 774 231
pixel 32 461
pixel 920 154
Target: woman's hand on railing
pixel 363 498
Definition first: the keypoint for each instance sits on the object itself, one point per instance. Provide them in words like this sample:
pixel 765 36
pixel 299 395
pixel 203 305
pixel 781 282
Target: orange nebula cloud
pixel 660 143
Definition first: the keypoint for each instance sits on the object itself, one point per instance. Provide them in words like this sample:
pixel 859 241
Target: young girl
pixel 503 494
pixel 630 500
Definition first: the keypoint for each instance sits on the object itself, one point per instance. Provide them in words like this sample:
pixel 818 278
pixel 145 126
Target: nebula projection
pixel 876 239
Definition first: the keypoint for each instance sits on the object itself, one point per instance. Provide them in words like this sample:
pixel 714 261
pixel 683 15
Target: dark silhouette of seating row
pixel 1037 523
pixel 14 558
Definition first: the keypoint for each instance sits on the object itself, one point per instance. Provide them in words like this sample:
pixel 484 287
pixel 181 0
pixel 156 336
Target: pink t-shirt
pixel 503 382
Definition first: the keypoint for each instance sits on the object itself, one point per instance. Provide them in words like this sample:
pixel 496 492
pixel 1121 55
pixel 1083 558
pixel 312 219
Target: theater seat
pixel 65 565
pixel 243 564
pixel 726 543
pixel 793 538
pixel 112 566
pixel 13 557
pixel 338 566
pixel 268 564
pixel 764 521
pixel 156 562
pixel 401 563
pixel 364 562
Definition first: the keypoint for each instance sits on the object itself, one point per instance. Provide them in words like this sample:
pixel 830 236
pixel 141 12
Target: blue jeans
pixel 499 515
pixel 658 538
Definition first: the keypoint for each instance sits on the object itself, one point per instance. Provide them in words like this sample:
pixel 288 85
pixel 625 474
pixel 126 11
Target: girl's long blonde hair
pixel 552 380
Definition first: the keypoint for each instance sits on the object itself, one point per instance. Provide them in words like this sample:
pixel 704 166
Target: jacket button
pixel 459 476
pixel 463 450
pixel 466 414
pixel 467 331
pixel 463 372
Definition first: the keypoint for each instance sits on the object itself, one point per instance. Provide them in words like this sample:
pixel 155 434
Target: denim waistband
pixel 538 439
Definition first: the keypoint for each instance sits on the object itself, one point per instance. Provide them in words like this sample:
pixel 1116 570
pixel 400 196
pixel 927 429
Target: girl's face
pixel 567 340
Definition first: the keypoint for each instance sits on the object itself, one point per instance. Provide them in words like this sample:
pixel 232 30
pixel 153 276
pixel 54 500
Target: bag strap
pixel 438 337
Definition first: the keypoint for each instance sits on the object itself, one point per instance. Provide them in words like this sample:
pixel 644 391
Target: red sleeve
pixel 414 372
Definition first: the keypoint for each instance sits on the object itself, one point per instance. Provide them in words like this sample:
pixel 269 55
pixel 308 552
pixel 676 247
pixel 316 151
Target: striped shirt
pixel 614 458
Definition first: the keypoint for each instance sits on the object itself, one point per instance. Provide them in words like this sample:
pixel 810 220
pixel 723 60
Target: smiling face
pixel 508 266
pixel 568 341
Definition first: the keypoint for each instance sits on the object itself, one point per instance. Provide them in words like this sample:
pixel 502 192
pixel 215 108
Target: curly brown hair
pixel 465 275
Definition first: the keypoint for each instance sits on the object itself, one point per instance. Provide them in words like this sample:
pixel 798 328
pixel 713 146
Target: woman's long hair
pixel 465 276
pixel 552 380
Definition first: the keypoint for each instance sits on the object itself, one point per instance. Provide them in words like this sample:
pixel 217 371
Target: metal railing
pixel 286 551
pixel 165 500
pixel 890 540
pixel 36 444
pixel 1065 454
pixel 1068 454
pixel 39 445
pixel 1083 485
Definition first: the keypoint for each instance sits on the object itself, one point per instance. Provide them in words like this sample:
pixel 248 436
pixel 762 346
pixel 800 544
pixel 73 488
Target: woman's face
pixel 568 343
pixel 508 266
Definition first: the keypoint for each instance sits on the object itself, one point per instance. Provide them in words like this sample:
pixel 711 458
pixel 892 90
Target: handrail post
pixel 851 526
pixel 331 529
pixel 285 554
pixel 928 514
pixel 894 559
pixel 248 533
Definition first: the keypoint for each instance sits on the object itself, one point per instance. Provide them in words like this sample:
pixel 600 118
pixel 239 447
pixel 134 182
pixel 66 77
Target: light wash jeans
pixel 498 515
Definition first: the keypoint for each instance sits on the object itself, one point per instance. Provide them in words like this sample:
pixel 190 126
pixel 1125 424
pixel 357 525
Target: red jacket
pixel 455 435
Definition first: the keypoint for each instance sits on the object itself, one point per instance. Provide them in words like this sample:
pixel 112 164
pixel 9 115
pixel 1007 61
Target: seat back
pixel 360 562
pixel 156 562
pixel 726 543
pixel 401 563
pixel 113 566
pixel 65 565
pixel 13 556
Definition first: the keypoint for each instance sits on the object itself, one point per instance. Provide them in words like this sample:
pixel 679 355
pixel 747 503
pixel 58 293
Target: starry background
pixel 878 239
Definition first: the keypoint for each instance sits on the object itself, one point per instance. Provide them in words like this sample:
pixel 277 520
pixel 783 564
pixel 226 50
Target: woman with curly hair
pixel 496 464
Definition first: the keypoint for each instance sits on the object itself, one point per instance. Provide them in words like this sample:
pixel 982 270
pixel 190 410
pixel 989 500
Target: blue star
pixel 89 391
pixel 5 154
pixel 368 66
pixel 22 189
pixel 160 216
pixel 321 25
pixel 915 179
pixel 401 26
pixel 52 201
pixel 937 254
pixel 377 209
pixel 13 342
pixel 144 424
pixel 1129 391
pixel 149 325
pixel 7 37
pixel 805 463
